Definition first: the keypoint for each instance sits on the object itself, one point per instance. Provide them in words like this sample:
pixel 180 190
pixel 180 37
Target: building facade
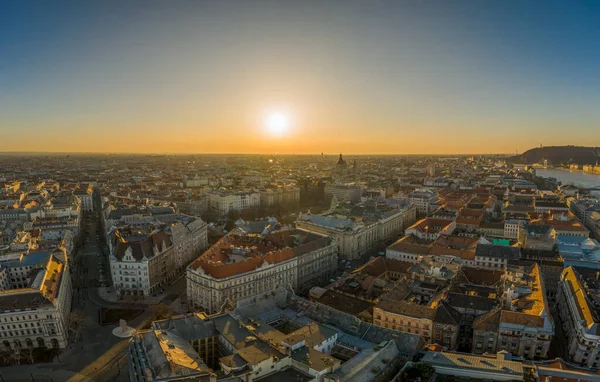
pixel 241 266
pixel 271 196
pixel 142 263
pixel 425 200
pixel 405 317
pixel 524 326
pixel 225 201
pixel 84 196
pixel 37 315
pixel 344 192
pixel 355 238
pixel 579 318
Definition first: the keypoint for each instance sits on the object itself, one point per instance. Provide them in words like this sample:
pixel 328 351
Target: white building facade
pixel 225 201
pixel 37 316
pixel 579 319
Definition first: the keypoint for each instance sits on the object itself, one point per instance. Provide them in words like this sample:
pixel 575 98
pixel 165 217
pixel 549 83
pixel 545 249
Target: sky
pixel 358 77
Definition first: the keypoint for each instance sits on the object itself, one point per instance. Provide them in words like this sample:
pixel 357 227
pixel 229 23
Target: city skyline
pixel 316 191
pixel 391 78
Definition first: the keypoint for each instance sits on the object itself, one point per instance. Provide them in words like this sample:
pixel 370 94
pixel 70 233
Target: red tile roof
pixel 220 271
pixel 412 244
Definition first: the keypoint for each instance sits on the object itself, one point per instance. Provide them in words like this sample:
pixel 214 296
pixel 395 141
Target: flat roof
pixel 289 374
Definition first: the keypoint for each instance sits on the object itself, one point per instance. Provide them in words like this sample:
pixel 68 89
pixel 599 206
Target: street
pixel 98 355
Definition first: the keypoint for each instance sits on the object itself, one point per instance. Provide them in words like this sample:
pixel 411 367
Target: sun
pixel 277 123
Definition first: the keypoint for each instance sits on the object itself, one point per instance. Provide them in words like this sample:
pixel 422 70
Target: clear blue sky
pixel 358 77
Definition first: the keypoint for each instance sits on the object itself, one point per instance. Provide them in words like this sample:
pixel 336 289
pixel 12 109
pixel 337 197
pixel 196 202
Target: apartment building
pixel 14 214
pixel 118 216
pixel 272 336
pixel 272 195
pixel 356 293
pixel 409 248
pixel 437 322
pixel 239 266
pixel 36 315
pixel 224 201
pixel 19 270
pixel 84 197
pixel 523 326
pixel 359 235
pixel 582 208
pixel 59 207
pixel 512 228
pixel 190 238
pixel 425 200
pixel 592 222
pixel 492 256
pixel 456 249
pixel 431 229
pixel 578 293
pixel 142 262
pixel 405 317
pixel 344 192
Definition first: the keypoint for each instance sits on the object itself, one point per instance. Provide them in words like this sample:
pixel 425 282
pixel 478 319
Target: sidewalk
pixel 115 354
pixel 108 294
pixel 85 360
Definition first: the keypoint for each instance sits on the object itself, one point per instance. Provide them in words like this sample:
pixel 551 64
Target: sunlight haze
pixel 399 77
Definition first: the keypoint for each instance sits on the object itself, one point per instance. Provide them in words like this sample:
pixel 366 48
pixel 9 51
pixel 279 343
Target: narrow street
pixel 558 346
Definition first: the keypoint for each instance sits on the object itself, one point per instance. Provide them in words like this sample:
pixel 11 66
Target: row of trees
pixel 18 354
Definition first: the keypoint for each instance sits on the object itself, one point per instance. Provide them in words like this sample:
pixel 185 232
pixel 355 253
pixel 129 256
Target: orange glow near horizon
pixel 308 129
pixel 282 138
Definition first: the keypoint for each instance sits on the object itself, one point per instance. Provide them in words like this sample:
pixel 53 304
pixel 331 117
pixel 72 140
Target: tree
pixel 7 357
pixel 77 321
pixel 16 356
pixel 162 311
pixel 29 353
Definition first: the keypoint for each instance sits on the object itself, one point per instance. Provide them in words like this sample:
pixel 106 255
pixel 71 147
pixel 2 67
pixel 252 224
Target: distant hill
pixel 557 155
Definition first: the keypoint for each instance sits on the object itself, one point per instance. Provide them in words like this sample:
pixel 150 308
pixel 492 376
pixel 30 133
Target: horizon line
pixel 233 153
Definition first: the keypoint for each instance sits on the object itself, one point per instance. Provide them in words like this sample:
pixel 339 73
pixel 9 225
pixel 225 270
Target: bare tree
pixel 7 357
pixel 29 352
pixel 16 356
pixel 162 311
pixel 77 322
